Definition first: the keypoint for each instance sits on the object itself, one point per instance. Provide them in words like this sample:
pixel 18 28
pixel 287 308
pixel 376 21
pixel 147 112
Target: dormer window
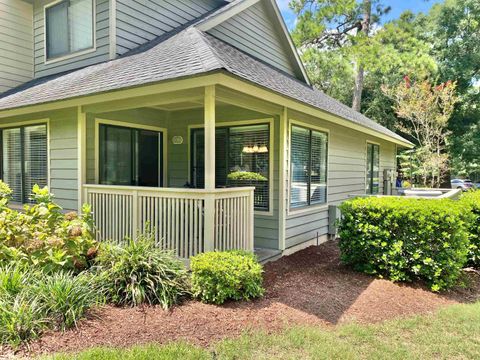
pixel 69 26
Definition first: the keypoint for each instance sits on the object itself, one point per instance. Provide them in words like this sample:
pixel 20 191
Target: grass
pixel 453 332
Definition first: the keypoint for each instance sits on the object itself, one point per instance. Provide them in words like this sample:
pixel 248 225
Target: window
pixel 24 159
pixel 241 159
pixel 308 185
pixel 130 156
pixel 69 27
pixel 373 168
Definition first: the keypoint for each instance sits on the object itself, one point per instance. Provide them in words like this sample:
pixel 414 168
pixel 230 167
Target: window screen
pixel 69 27
pixel 130 156
pixel 24 159
pixel 373 169
pixel 241 159
pixel 308 158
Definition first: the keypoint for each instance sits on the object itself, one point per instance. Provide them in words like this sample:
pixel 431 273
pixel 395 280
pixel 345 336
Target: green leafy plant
pixel 471 199
pixel 140 273
pixel 246 176
pixel 21 318
pixel 43 236
pixel 66 297
pixel 14 277
pixel 219 276
pixel 403 239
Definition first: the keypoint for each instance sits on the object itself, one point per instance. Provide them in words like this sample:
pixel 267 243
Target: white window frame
pixel 315 207
pixel 130 125
pixel 46 122
pixel 366 165
pixel 74 54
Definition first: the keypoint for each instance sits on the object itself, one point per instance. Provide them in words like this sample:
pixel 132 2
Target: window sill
pixel 308 209
pixel 68 56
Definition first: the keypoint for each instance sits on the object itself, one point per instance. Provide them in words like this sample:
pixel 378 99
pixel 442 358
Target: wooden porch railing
pixel 175 215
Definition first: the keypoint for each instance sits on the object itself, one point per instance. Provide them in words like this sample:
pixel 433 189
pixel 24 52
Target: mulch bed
pixel 310 287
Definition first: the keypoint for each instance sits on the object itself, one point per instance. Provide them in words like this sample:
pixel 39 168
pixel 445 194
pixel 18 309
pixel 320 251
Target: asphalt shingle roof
pixel 179 54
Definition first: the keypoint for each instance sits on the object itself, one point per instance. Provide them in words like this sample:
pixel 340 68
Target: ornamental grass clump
pixel 140 273
pixel 229 275
pixel 403 239
pixel 65 297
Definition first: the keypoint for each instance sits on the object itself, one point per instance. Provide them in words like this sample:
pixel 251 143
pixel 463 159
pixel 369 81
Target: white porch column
pixel 209 215
pixel 81 155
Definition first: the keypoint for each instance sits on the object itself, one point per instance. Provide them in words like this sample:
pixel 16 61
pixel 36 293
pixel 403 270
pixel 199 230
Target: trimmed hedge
pixel 228 275
pixel 471 199
pixel 402 239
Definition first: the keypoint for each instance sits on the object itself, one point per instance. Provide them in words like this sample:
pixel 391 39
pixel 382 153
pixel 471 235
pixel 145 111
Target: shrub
pixel 43 236
pixel 402 238
pixel 219 276
pixel 65 298
pixel 140 273
pixel 246 176
pixel 471 199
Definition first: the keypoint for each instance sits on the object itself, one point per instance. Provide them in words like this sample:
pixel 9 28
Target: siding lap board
pixel 253 32
pixel 140 21
pixel 16 43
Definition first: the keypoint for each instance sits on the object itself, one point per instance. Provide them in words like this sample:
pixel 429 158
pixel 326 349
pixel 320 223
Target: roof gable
pixel 257 28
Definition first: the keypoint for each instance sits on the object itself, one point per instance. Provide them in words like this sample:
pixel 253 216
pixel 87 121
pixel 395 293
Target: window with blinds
pixel 69 27
pixel 24 159
pixel 373 169
pixel 242 155
pixel 308 162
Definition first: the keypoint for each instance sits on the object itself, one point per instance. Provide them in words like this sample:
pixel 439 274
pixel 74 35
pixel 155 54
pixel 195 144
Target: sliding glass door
pixel 130 156
pixel 24 159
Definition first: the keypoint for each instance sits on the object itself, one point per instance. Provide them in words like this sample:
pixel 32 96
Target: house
pixel 195 116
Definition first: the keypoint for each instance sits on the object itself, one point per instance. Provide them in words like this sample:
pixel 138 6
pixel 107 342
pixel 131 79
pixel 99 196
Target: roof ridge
pixel 216 62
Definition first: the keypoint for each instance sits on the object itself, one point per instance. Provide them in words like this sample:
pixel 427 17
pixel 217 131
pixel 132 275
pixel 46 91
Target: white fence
pixel 176 216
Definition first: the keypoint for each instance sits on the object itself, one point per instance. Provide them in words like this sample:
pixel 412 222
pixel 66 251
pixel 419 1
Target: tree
pixel 329 25
pixel 341 59
pixel 453 29
pixel 426 110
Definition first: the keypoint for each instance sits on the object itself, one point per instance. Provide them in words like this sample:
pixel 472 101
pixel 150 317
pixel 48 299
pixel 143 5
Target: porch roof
pixel 183 53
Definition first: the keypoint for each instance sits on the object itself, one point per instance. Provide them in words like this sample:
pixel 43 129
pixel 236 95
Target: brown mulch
pixel 310 287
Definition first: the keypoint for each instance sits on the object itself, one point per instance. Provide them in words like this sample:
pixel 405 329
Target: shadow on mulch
pixel 310 287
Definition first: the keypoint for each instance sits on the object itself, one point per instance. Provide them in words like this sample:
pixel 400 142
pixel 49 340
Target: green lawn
pixel 452 333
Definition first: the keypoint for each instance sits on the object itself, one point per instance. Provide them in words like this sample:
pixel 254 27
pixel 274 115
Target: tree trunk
pixel 359 79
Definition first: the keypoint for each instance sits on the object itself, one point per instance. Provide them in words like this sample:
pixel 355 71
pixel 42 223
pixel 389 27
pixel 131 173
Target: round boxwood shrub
pixel 229 275
pixel 404 238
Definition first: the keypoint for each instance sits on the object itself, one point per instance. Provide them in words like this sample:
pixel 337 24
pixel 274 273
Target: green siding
pixel 16 43
pixel 346 176
pixel 253 31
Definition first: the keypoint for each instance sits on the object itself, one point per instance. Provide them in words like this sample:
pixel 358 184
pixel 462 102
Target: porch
pixel 177 164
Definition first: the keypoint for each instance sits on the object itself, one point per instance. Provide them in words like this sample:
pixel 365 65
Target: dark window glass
pixel 130 156
pixel 373 169
pixel 69 27
pixel 24 159
pixel 308 167
pixel 241 159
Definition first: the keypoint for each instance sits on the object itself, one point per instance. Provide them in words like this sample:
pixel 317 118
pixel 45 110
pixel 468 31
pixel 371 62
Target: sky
pixel 398 6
